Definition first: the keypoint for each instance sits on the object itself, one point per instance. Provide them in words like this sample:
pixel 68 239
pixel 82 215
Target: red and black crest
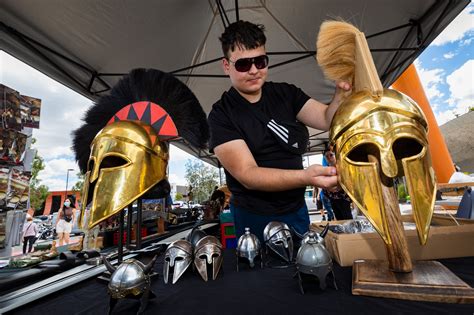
pixel 151 114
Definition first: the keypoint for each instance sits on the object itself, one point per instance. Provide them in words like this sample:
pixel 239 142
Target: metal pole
pixel 129 224
pixel 120 240
pixel 138 232
pixel 67 179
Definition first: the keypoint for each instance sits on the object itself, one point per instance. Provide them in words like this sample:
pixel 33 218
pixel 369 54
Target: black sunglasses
pixel 244 64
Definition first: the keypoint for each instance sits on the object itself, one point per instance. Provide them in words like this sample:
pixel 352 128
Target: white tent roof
pixel 87 45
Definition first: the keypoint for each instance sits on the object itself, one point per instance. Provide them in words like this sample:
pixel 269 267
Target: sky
pixel 446 69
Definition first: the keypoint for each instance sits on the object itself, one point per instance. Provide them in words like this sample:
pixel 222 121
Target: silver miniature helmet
pixel 277 237
pixel 248 247
pixel 178 257
pixel 131 277
pixel 195 235
pixel 208 251
pixel 314 259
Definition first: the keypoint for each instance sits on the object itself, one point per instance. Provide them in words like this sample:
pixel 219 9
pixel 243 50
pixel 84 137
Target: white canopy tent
pixel 87 45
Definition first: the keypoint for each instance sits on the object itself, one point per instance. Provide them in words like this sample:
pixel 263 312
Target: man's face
pixel 330 157
pixel 251 81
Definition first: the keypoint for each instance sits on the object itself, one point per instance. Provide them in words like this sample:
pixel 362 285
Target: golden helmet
pixel 392 130
pixel 123 146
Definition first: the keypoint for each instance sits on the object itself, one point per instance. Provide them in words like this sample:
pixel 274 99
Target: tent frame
pixel 412 25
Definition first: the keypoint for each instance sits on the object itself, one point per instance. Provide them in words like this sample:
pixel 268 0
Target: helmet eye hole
pixel 361 152
pixel 406 147
pixel 179 259
pixel 278 242
pixel 202 256
pixel 111 161
pixel 215 255
pixel 167 259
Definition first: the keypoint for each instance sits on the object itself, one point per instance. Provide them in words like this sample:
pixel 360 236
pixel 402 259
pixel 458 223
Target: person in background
pixel 324 199
pixel 340 201
pixel 319 204
pixel 30 229
pixel 66 216
pixel 190 195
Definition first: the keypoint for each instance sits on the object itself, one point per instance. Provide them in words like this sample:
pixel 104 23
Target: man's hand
pixel 343 90
pixel 323 177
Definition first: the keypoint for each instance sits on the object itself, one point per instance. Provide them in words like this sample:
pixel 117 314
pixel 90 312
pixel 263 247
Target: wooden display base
pixel 429 281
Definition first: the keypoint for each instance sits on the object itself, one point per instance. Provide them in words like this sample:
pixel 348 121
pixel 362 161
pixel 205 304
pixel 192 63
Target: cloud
pixel 430 79
pixel 449 55
pixel 444 117
pixel 55 184
pixel 176 179
pixel 55 173
pixel 176 154
pixel 461 26
pixel 461 87
pixel 465 42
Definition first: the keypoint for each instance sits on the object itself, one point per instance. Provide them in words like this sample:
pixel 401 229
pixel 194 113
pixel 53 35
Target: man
pixel 324 199
pixel 267 181
pixel 319 203
pixel 340 201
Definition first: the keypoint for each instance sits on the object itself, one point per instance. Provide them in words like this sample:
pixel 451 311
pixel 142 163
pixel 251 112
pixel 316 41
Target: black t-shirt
pixel 235 120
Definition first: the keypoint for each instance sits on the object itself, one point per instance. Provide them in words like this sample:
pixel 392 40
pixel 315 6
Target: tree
pixel 38 192
pixel 202 178
pixel 178 196
pixel 80 182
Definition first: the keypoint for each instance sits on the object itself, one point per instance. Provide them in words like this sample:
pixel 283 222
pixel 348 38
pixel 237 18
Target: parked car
pixel 177 204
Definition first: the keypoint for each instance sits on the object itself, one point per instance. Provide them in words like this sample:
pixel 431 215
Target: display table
pixel 256 291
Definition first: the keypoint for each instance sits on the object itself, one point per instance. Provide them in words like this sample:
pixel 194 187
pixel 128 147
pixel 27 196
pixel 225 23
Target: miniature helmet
pixel 314 259
pixel 277 237
pixel 319 237
pixel 195 235
pixel 131 277
pixel 178 257
pixel 208 251
pixel 248 247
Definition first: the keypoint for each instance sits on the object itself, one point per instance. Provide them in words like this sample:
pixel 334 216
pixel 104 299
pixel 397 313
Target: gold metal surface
pixel 394 130
pixel 126 161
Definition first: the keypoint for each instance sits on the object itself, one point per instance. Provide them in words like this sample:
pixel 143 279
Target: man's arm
pixel 318 115
pixel 237 159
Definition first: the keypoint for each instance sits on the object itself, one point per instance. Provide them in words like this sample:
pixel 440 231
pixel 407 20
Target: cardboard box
pixel 446 240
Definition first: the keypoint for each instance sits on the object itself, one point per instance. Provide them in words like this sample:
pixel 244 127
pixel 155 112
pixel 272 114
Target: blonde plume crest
pixel 335 48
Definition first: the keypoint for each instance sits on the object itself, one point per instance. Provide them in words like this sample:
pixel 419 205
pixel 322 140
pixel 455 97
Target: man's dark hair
pixel 244 35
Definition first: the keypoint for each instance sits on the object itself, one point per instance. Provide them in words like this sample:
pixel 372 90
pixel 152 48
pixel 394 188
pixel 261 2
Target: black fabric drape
pixel 256 291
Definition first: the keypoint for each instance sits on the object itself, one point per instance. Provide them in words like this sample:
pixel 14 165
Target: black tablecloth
pixel 250 291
